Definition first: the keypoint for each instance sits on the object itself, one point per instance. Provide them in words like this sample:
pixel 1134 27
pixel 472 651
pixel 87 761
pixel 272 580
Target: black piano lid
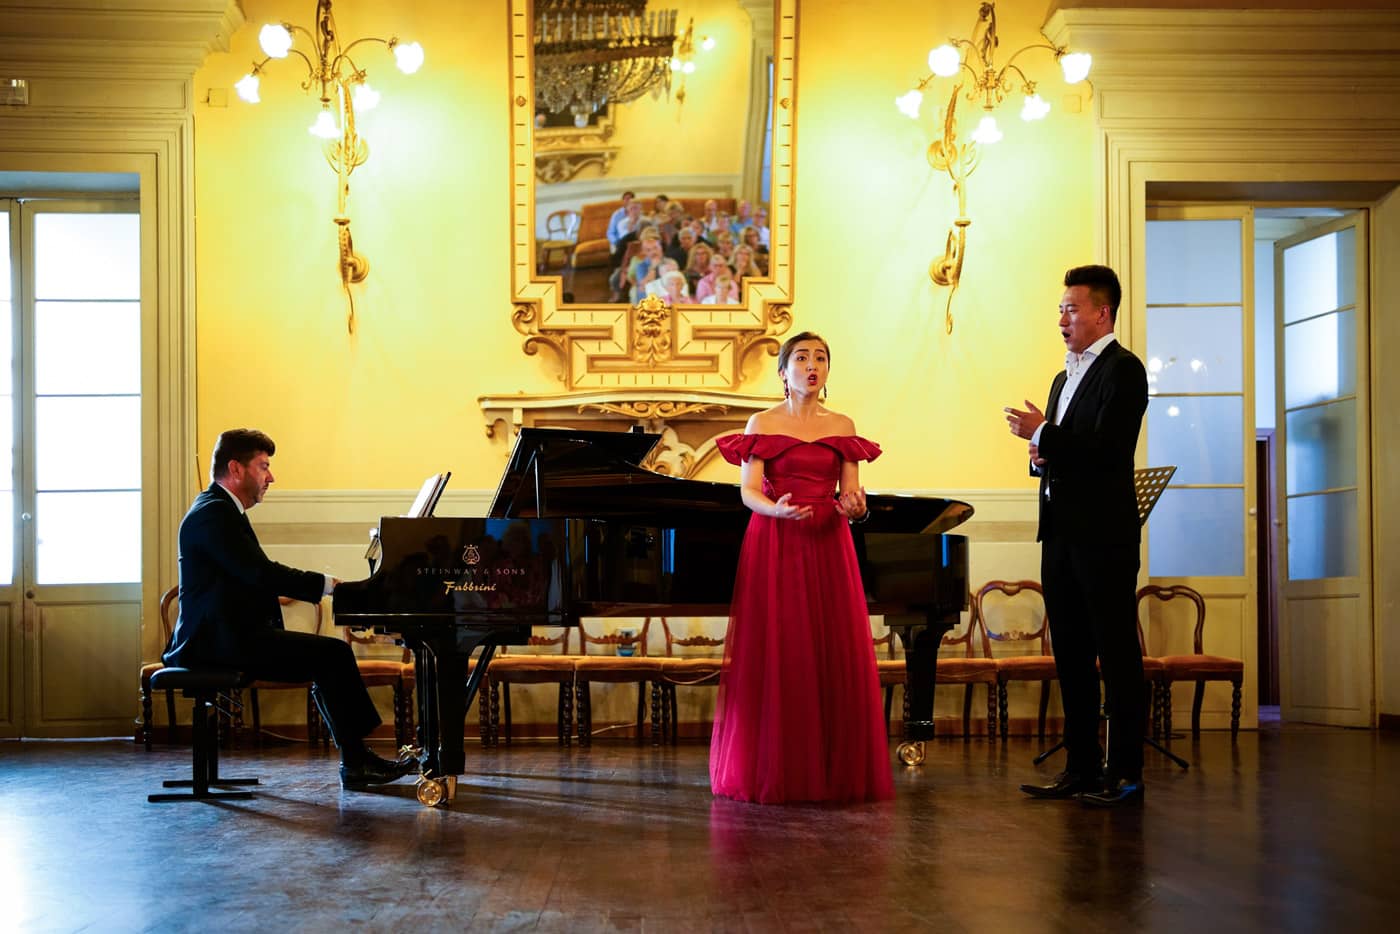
pixel 598 474
pixel 563 455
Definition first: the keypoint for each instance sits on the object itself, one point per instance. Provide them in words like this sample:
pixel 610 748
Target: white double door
pixel 1202 371
pixel 1324 503
pixel 71 443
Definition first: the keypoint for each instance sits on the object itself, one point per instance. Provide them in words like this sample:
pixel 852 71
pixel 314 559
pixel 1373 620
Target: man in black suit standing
pixel 230 616
pixel 1082 447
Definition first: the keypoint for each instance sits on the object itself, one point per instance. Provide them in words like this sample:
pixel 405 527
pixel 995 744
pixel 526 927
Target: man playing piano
pixel 1082 447
pixel 230 617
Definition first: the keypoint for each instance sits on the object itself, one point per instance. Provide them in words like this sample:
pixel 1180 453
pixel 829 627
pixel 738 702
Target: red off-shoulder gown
pixel 799 715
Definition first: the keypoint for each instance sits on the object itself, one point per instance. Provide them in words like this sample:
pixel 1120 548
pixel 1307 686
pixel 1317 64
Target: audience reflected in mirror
pixel 682 250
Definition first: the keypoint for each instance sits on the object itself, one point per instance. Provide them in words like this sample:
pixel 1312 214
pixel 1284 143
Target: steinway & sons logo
pixel 472 577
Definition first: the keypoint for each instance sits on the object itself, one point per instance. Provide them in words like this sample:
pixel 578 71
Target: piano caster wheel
pixel 436 792
pixel 911 754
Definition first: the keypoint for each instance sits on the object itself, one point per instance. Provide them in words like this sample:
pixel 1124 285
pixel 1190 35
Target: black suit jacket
pixel 1089 455
pixel 228 587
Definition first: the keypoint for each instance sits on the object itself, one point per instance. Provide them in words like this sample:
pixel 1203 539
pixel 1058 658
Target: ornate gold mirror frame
pixel 674 370
pixel 594 345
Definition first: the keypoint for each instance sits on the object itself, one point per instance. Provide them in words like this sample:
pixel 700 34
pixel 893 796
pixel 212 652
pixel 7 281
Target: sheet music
pixel 428 495
pixel 423 505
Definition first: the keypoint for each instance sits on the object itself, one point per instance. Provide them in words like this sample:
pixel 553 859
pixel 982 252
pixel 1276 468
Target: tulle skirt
pixel 799 715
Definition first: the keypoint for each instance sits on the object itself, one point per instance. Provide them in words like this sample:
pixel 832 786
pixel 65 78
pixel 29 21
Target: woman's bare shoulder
pixel 765 422
pixel 840 424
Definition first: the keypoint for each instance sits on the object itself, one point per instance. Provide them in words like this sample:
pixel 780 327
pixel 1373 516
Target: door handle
pixel 1253 511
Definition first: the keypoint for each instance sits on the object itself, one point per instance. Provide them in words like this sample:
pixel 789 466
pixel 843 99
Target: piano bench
pixel 205 687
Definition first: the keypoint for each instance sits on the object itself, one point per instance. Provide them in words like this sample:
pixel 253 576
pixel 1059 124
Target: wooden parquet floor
pixel 1287 830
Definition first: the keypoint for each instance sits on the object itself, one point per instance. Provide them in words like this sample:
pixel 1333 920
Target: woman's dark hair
pixel 786 352
pixel 239 444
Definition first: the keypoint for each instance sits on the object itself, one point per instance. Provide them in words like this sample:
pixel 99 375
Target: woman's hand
pixel 784 509
pixel 851 504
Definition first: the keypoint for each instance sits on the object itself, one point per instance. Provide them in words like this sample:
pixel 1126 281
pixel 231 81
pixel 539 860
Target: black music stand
pixel 1148 483
pixel 423 505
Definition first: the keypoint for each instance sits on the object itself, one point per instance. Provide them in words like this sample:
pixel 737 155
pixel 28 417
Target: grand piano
pixel 578 529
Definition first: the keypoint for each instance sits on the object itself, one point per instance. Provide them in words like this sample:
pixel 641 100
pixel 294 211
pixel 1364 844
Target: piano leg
pixel 445 695
pixel 921 640
pixel 473 688
pixel 425 658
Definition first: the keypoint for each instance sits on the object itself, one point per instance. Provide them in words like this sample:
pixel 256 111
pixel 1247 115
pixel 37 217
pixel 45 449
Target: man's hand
pixel 1034 451
pixel 1024 424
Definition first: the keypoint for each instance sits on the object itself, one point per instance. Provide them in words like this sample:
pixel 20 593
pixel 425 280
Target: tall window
pixel 1320 406
pixel 1195 375
pixel 7 404
pixel 87 397
pixel 77 371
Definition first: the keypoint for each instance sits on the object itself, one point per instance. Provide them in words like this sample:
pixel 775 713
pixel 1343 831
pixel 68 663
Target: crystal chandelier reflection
pixel 589 53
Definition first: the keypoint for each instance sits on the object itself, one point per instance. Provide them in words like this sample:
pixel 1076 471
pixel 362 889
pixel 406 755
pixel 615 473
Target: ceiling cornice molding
pixel 1120 37
pixel 1260 68
pixel 170 36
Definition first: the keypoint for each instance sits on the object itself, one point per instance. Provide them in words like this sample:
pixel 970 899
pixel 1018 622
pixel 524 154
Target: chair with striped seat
pixel 968 669
pixel 690 661
pixel 529 668
pixel 629 666
pixel 1015 618
pixel 1198 666
pixel 168 608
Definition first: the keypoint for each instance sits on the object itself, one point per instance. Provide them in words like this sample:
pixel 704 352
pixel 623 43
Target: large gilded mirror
pixel 722 132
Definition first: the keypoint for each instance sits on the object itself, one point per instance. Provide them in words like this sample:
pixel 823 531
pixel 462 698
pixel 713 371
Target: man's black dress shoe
pixel 1118 794
pixel 1065 785
pixel 374 771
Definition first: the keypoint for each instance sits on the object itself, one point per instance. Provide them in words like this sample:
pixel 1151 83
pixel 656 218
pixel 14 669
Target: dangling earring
pixel 787 393
pixel 823 393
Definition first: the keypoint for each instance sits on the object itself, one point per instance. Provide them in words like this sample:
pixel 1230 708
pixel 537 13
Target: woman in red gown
pixel 799 716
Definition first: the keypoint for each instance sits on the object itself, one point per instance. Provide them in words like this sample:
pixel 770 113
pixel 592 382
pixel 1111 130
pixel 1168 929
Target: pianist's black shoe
pixel 372 770
pixel 1122 793
pixel 1065 785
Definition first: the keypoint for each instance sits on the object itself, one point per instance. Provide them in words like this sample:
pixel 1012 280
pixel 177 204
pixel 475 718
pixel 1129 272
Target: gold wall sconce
pixel 683 62
pixel 343 89
pixel 971 64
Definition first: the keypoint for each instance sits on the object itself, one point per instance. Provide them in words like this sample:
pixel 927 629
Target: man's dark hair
pixel 1103 285
pixel 239 444
pixel 628 194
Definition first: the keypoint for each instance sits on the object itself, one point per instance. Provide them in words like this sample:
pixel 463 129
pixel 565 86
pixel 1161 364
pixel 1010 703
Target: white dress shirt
pixel 1076 367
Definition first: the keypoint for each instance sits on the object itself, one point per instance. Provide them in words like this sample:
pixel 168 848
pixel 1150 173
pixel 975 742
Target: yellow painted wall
pixel 398 399
pixel 872 214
